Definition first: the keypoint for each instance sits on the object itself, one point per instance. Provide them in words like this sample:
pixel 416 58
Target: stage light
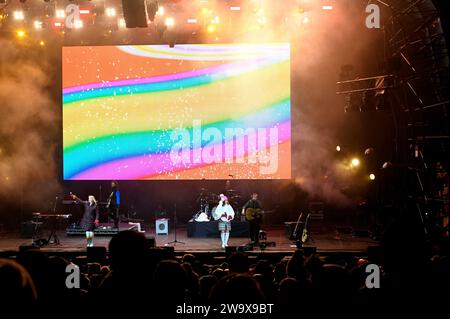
pixel 338 148
pixel 205 11
pixel 85 11
pixel 192 21
pixel 18 15
pixel 21 34
pixel 110 12
pixel 37 24
pixel 122 23
pixel 235 8
pixel 372 177
pixel 78 24
pixel 160 11
pixel 211 28
pixel 58 24
pixel 41 43
pixel 305 20
pixel 262 20
pixel 355 162
pixel 216 20
pixel 387 165
pixel 169 22
pixel 60 13
pixel 327 7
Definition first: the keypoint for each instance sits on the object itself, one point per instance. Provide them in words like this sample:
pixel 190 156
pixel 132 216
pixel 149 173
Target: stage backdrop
pixel 188 112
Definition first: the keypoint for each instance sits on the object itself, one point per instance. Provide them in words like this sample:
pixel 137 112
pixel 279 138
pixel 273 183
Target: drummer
pixel 225 214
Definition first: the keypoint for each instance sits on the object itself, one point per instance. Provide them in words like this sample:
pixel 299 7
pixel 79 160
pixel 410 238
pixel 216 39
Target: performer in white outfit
pixel 225 214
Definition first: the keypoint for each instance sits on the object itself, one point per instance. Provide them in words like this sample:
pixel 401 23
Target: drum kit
pixel 208 202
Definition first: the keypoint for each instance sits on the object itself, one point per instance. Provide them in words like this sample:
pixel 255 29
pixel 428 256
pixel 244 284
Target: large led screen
pixel 188 112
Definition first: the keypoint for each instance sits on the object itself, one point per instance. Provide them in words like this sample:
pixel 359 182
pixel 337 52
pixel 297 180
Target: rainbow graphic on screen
pixel 189 112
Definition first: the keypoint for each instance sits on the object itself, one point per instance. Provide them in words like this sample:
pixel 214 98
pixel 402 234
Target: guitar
pixel 294 234
pixel 255 213
pixel 305 234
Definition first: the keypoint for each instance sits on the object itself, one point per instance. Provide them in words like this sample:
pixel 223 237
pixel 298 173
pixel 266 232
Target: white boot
pixel 89 239
pixel 222 237
pixel 227 236
pixel 92 239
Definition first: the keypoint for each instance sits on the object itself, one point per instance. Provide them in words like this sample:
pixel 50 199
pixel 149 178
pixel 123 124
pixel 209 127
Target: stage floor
pixel 325 241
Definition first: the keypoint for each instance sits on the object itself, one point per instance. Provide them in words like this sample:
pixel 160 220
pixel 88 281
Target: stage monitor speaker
pixel 28 229
pixel 134 13
pixel 162 226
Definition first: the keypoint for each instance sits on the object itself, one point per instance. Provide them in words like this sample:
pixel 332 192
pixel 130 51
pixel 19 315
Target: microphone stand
pixel 53 232
pixel 175 222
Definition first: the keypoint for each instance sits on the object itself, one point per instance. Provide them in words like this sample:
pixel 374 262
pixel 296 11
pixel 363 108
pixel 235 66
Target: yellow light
pixel 205 10
pixel 372 177
pixel 170 22
pixel 41 43
pixel 20 34
pixel 211 28
pixel 338 148
pixel 355 162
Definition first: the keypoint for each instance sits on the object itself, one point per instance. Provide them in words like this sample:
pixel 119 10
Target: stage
pixel 324 241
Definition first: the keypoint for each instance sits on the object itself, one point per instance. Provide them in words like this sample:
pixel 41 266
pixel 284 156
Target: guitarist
pixel 114 203
pixel 255 223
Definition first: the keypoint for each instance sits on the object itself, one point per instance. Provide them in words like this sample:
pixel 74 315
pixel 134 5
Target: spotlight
pixel 169 22
pixel 211 28
pixel 41 43
pixel 37 24
pixel 21 34
pixel 355 162
pixel 305 20
pixel 236 8
pixel 338 148
pixel 110 12
pixel 372 177
pixel 160 11
pixel 18 15
pixel 60 13
pixel 122 23
pixel 387 165
pixel 327 7
pixel 192 21
pixel 78 24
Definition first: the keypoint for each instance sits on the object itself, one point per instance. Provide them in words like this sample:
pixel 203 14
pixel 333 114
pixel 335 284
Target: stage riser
pixel 211 230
